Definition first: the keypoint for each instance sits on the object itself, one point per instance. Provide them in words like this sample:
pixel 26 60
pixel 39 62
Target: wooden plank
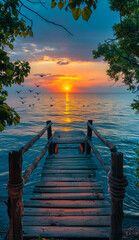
pixel 73 159
pixel 67 203
pixel 66 162
pixel 69 141
pixel 68 171
pixel 70 175
pixel 70 232
pixel 68 196
pixel 66 212
pixel 69 167
pixel 68 190
pixel 68 179
pixel 67 184
pixel 70 156
pixel 99 221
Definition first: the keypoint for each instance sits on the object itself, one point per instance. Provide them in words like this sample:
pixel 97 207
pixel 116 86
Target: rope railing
pixel 105 141
pixel 99 157
pixel 116 180
pixel 35 162
pixel 28 145
pixel 17 181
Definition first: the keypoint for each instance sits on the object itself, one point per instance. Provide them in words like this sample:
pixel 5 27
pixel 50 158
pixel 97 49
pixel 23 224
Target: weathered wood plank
pixel 67 203
pixel 70 156
pixel 68 196
pixel 68 190
pixel 70 163
pixel 69 171
pixel 66 212
pixel 70 175
pixel 68 167
pixel 68 179
pixel 70 232
pixel 67 184
pixel 99 221
pixel 67 162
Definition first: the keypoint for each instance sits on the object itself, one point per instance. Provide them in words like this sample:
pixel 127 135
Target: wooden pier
pixel 68 201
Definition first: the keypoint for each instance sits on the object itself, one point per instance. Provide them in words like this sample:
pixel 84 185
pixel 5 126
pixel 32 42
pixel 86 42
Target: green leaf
pixel 53 4
pixel 60 5
pixel 94 4
pixel 9 71
pixel 31 34
pixel 1 127
pixel 86 13
pixel 76 13
pixel 11 46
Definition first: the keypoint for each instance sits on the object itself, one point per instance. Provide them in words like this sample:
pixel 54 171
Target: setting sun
pixel 67 88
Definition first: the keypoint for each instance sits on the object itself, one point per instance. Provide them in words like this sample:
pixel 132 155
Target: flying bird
pixel 37 93
pixel 30 90
pixel 22 102
pixel 22 97
pixel 19 91
pixel 37 85
pixel 41 75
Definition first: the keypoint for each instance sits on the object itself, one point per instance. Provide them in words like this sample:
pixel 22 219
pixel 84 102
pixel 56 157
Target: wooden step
pixel 68 179
pixel 68 171
pixel 67 203
pixel 67 184
pixel 99 221
pixel 68 190
pixel 64 232
pixel 66 211
pixel 68 196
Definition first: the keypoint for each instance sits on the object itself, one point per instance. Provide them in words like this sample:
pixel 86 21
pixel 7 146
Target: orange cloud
pixel 59 74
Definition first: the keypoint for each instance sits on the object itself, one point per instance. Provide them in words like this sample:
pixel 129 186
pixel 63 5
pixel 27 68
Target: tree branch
pixel 56 24
pixel 133 63
pixel 26 17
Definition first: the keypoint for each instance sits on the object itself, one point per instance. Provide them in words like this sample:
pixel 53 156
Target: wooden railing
pixel 116 180
pixel 17 181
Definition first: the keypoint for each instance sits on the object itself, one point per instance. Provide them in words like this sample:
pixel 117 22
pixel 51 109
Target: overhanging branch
pixel 56 24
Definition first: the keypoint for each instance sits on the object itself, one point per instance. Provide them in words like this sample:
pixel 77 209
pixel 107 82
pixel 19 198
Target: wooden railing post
pixel 117 182
pixel 49 135
pixel 89 136
pixel 15 188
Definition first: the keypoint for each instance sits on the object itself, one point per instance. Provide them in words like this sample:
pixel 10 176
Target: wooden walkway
pixel 68 201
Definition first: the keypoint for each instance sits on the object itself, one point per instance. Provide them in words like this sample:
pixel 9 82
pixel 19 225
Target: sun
pixel 67 88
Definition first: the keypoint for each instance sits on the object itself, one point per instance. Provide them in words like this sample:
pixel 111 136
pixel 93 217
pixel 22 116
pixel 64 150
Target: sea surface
pixel 111 114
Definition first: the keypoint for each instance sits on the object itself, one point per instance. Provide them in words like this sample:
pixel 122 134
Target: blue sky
pixel 52 50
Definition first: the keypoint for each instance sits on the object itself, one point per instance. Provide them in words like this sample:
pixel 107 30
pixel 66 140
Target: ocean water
pixel 111 114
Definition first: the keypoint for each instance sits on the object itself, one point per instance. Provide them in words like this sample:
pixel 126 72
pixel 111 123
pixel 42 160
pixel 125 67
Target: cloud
pixel 63 62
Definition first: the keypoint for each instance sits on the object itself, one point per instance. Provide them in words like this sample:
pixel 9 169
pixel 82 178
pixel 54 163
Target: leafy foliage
pixel 77 7
pixel 10 73
pixel 122 53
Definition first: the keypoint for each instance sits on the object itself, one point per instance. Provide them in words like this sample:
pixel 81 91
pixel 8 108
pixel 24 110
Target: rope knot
pixel 16 191
pixel 117 186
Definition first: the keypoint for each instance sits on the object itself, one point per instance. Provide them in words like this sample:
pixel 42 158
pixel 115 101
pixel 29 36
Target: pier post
pixel 117 183
pixel 49 135
pixel 89 136
pixel 15 189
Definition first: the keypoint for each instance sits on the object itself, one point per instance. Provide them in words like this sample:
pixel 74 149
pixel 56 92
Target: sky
pixel 66 61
